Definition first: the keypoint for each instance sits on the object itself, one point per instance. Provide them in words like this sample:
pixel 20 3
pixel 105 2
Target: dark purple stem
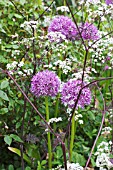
pixel 102 122
pixel 64 154
pixel 49 127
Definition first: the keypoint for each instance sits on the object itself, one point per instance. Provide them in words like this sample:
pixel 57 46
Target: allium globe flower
pixel 88 31
pixel 70 91
pixel 64 25
pixel 45 83
pixel 108 2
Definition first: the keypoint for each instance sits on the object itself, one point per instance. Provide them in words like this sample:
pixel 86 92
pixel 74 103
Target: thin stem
pixel 102 122
pixel 22 133
pixel 49 127
pixel 48 134
pixel 76 24
pixel 17 9
pixel 56 111
pixel 34 50
pixel 72 136
pixel 64 155
pixel 100 38
pixel 40 16
pixel 57 99
pixel 76 102
pixel 64 3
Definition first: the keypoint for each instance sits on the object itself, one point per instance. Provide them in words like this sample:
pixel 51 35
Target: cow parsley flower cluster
pixel 64 25
pixel 70 166
pixel 45 83
pixel 106 131
pixel 64 65
pixel 74 166
pixel 70 91
pixel 18 66
pixel 28 25
pixel 103 156
pixel 46 21
pixel 78 116
pixel 56 36
pixel 102 48
pixel 14 64
pixel 63 9
pixel 78 75
pixel 87 3
pixel 59 119
pixel 99 9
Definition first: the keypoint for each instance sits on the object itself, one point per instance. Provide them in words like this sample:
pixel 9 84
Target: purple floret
pixel 70 91
pixel 45 83
pixel 108 2
pixel 64 25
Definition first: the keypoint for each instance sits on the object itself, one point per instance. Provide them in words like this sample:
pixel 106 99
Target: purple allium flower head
pixel 108 2
pixel 45 83
pixel 70 91
pixel 64 25
pixel 89 31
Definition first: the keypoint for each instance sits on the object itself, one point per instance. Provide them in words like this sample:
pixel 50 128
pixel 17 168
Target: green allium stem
pixel 56 111
pixel 57 99
pixel 72 136
pixel 48 135
pixel 64 3
pixel 39 2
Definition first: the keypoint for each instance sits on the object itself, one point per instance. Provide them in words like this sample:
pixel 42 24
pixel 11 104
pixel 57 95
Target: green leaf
pixel 78 158
pixel 17 151
pixel 43 162
pixel 93 162
pixel 3 111
pixel 10 167
pixel 4 84
pixel 16 138
pixel 2 59
pixel 18 16
pixel 8 140
pixel 27 168
pixel 3 95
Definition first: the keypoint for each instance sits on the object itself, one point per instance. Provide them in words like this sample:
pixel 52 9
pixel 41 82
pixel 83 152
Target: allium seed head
pixel 45 83
pixel 64 25
pixel 70 91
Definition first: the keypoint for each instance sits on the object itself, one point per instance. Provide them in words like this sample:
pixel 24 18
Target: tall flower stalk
pixel 48 135
pixel 70 92
pixel 72 137
pixel 46 83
